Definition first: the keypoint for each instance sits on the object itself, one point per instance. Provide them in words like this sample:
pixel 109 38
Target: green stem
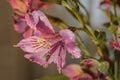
pixel 74 12
pixel 89 30
pixel 116 53
pixel 115 11
pixel 117 65
pixel 84 9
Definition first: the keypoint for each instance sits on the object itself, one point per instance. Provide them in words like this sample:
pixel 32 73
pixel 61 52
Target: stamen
pixel 39 43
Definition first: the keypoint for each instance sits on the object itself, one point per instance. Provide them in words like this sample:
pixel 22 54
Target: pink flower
pixel 108 4
pixel 47 46
pixel 88 62
pixel 75 72
pixel 38 4
pixel 90 66
pixel 27 25
pixel 38 20
pixel 105 4
pixel 19 6
pixel 22 6
pixel 28 3
pixel 115 44
pixel 51 48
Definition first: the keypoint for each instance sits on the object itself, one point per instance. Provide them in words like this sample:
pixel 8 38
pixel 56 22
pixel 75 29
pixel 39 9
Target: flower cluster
pixel 45 45
pixel 42 44
pixel 87 71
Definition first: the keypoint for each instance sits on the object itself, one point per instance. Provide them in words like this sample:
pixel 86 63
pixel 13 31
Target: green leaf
pixel 107 24
pixel 57 22
pixel 52 1
pixel 112 28
pixel 100 35
pixel 103 67
pixel 55 77
pixel 60 1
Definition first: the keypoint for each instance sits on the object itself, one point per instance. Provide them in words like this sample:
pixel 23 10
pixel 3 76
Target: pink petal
pixel 34 45
pixel 67 35
pixel 119 41
pixel 54 53
pixel 58 55
pixel 28 3
pixel 74 50
pixel 18 6
pixel 60 60
pixel 28 33
pixel 30 21
pixel 75 72
pixel 72 71
pixel 88 63
pixel 20 25
pixel 106 5
pixel 38 19
pixel 37 58
pixel 115 45
pixel 37 33
pixel 43 18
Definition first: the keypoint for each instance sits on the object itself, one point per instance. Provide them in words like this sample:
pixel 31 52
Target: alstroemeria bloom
pixel 75 72
pixel 27 24
pixel 37 18
pixel 47 46
pixel 50 48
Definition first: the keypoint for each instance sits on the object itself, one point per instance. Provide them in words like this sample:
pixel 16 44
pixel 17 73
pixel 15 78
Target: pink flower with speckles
pixel 50 48
pixel 47 46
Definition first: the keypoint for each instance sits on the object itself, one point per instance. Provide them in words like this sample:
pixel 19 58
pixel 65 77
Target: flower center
pixel 40 43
